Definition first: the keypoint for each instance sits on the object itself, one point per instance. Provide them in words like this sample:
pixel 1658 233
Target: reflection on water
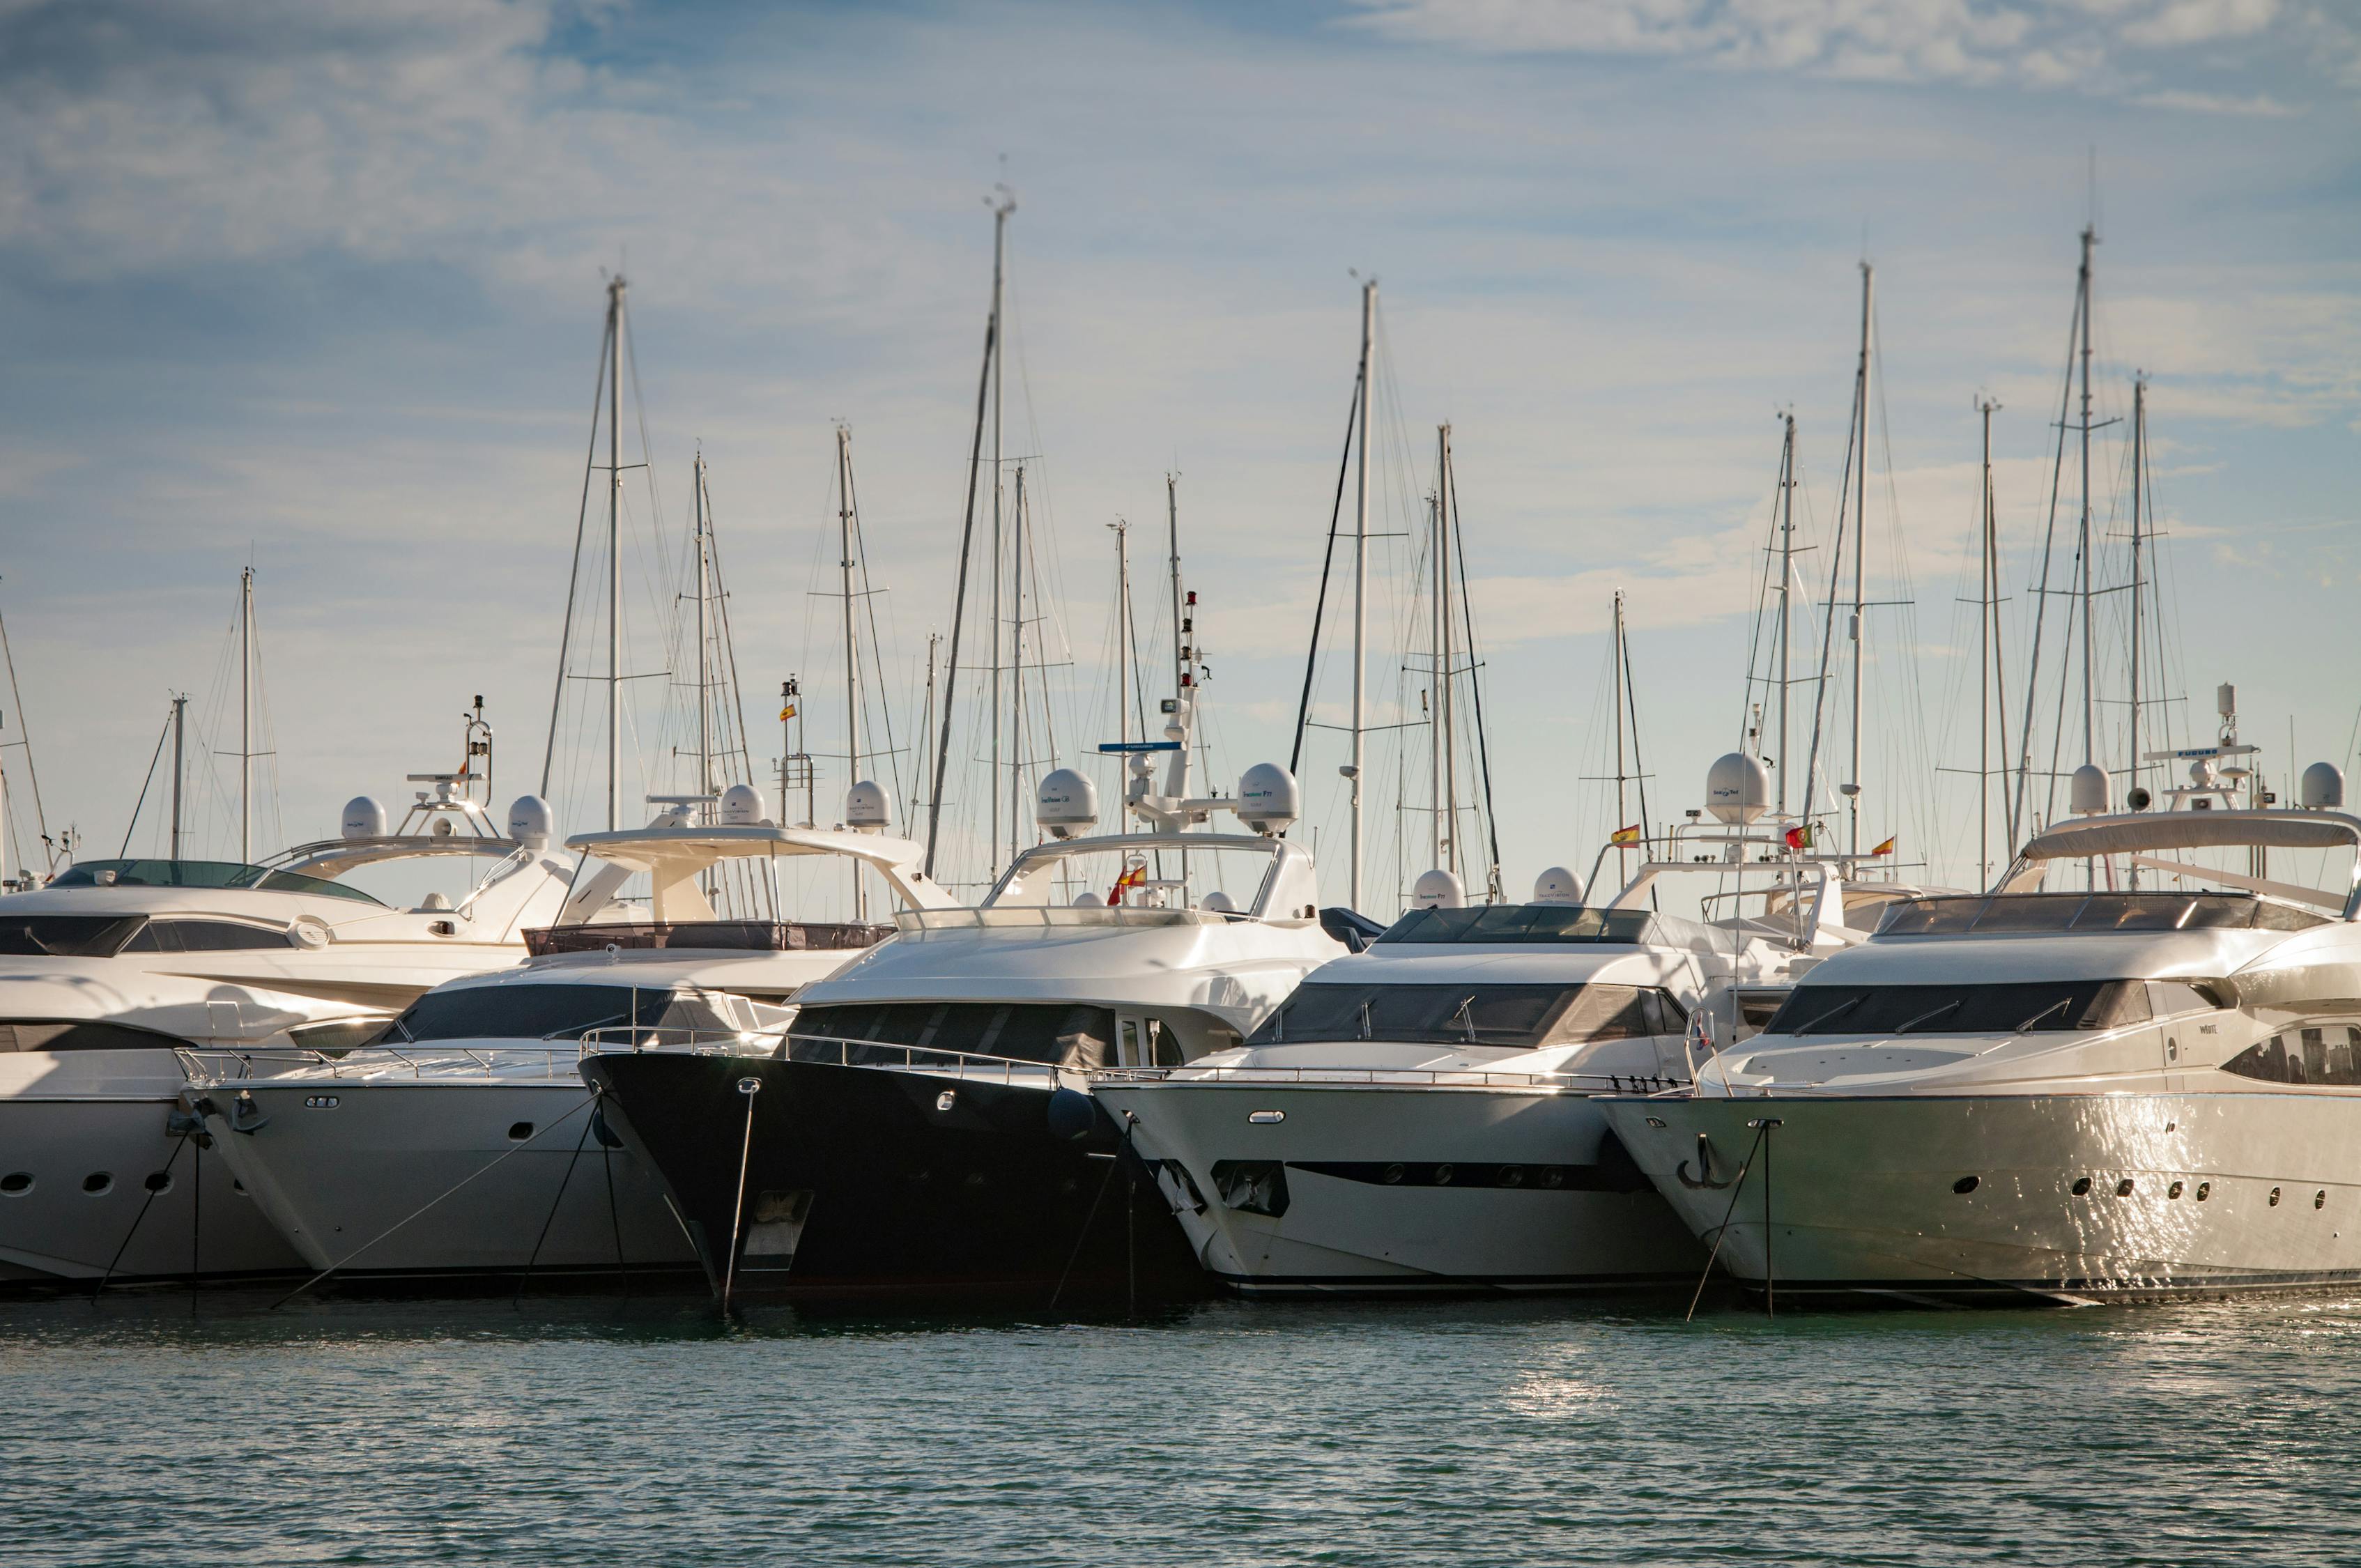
pixel 596 1431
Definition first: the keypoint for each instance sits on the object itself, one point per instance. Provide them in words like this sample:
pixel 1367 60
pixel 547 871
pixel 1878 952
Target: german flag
pixel 1624 837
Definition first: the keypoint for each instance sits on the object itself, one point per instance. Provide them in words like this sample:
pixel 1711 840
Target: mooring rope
pixel 749 1087
pixel 563 1182
pixel 153 1193
pixel 1080 1236
pixel 1762 1127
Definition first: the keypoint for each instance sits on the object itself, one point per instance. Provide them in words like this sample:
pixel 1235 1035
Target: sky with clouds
pixel 317 287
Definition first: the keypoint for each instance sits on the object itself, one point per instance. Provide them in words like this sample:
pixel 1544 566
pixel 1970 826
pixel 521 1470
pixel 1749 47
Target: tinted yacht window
pixel 1073 1036
pixel 2031 1007
pixel 2324 1056
pixel 204 936
pixel 65 936
pixel 1517 1016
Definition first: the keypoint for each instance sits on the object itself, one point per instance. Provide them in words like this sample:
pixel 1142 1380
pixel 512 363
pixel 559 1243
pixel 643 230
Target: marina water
pixel 151 1429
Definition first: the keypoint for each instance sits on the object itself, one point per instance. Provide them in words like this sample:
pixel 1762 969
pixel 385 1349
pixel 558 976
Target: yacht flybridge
pixel 116 965
pixel 471 1116
pixel 2130 1070
pixel 1423 1115
pixel 922 1124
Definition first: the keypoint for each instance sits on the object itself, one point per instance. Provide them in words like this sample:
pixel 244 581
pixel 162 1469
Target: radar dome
pixel 2086 792
pixel 1736 788
pixel 1219 903
pixel 741 807
pixel 1065 805
pixel 868 807
pixel 529 823
pixel 364 818
pixel 1268 800
pixel 2324 787
pixel 1557 885
pixel 1437 890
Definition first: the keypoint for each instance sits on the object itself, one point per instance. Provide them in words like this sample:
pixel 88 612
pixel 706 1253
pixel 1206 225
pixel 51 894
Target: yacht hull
pixel 1973 1199
pixel 1400 1189
pixel 98 1186
pixel 383 1179
pixel 875 1182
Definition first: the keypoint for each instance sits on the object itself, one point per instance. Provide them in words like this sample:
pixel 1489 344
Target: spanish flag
pixel 1131 878
pixel 1884 848
pixel 786 713
pixel 1625 837
pixel 1799 836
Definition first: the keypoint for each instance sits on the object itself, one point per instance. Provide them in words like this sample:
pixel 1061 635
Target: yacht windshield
pixel 1072 1034
pixel 200 873
pixel 2022 913
pixel 548 1013
pixel 1520 1017
pixel 2024 1007
pixel 1546 923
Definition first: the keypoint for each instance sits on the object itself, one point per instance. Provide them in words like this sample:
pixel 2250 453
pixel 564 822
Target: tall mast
pixel 1434 663
pixel 246 717
pixel 1787 591
pixel 1615 693
pixel 1361 580
pixel 1987 645
pixel 614 553
pixel 704 593
pixel 1183 691
pixel 179 764
pixel 1015 661
pixel 999 256
pixel 2139 476
pixel 1121 634
pixel 1860 551
pixel 844 566
pixel 2089 690
pixel 1443 520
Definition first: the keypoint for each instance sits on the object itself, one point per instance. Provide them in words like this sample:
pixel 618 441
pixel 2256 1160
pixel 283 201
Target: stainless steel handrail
pixel 1407 1077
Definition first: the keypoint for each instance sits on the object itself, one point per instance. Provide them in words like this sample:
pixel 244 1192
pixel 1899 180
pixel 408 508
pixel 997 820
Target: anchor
pixel 1704 1180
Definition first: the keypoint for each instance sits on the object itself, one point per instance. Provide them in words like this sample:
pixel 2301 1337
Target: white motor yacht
pixel 1424 1115
pixel 2146 1081
pixel 466 1142
pixel 116 968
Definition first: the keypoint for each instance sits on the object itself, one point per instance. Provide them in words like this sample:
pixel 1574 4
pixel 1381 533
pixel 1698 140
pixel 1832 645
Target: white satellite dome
pixel 741 807
pixel 2086 792
pixel 2322 788
pixel 1437 890
pixel 1557 885
pixel 1736 788
pixel 529 823
pixel 1269 799
pixel 1065 805
pixel 868 806
pixel 1218 903
pixel 364 817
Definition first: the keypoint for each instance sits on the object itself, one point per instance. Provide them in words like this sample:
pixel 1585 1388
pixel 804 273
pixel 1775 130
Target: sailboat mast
pixel 1434 675
pixel 1121 634
pixel 1443 520
pixel 246 717
pixel 999 258
pixel 2090 689
pixel 2139 477
pixel 1861 550
pixel 614 554
pixel 704 593
pixel 1787 592
pixel 1615 693
pixel 1987 679
pixel 1016 662
pixel 179 764
pixel 1361 582
pixel 844 566
pixel 1184 694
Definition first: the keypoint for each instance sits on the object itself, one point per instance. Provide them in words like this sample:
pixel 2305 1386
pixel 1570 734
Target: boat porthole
pixel 2124 1188
pixel 2173 1190
pixel 1553 1176
pixel 2083 1187
pixel 1393 1174
pixel 947 1098
pixel 16 1183
pixel 2275 1197
pixel 1442 1176
pixel 520 1131
pixel 2320 1198
pixel 1967 1184
pixel 2204 1191
pixel 1513 1176
pixel 98 1183
pixel 158 1181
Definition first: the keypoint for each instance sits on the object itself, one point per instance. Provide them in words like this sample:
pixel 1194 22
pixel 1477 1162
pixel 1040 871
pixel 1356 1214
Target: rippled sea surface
pixel 575 1431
